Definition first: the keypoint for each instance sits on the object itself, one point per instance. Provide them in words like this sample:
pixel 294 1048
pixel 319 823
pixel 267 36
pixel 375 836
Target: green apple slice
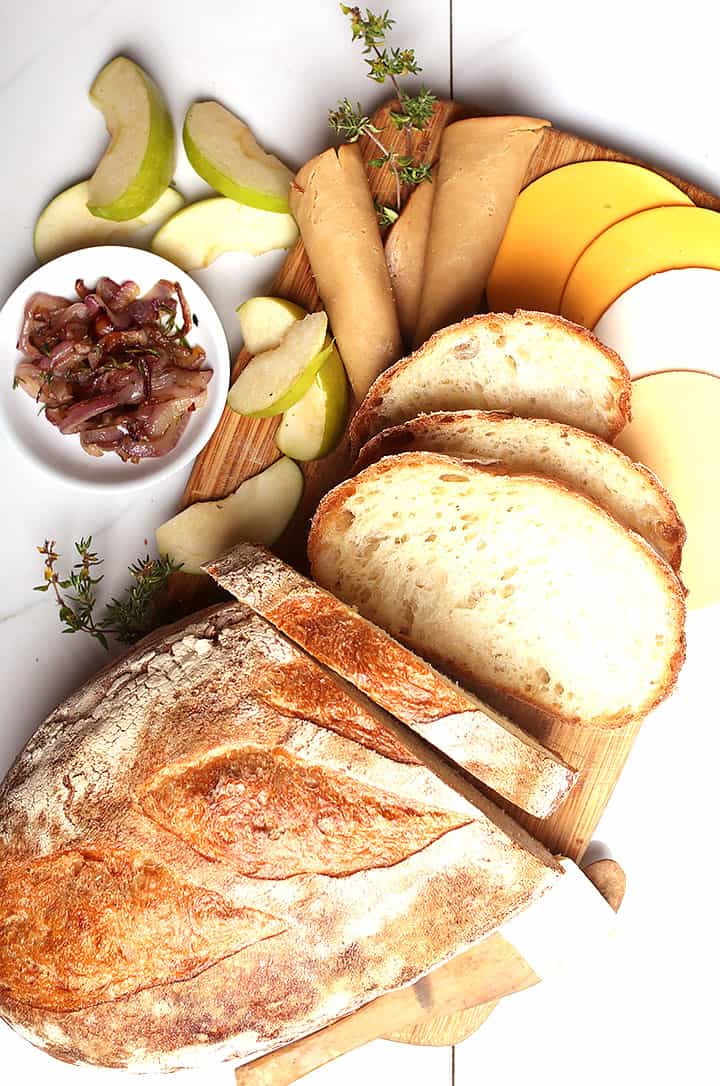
pixel 258 512
pixel 202 232
pixel 312 427
pixel 264 321
pixel 223 150
pixel 66 224
pixel 276 379
pixel 138 164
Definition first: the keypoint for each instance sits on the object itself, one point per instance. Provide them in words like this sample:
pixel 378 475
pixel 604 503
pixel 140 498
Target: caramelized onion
pixel 113 367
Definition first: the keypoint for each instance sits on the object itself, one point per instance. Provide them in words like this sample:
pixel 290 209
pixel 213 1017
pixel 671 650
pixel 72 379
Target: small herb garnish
pixel 127 619
pixel 45 382
pixel 413 115
pixel 386 215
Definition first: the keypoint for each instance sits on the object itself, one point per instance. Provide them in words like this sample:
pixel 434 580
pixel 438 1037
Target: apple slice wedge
pixel 257 512
pixel 66 224
pixel 312 427
pixel 138 164
pixel 202 232
pixel 265 320
pixel 276 379
pixel 223 150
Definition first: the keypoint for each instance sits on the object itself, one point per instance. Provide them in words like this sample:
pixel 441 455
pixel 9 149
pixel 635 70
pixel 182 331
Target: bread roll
pixel 405 247
pixel 483 161
pixel 334 210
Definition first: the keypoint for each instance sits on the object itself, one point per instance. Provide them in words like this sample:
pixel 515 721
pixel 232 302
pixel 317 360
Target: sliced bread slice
pixel 628 491
pixel 516 582
pixel 504 758
pixel 530 364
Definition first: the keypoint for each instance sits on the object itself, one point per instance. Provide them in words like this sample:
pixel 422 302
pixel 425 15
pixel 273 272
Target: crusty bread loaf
pixel 628 491
pixel 203 856
pixel 488 745
pixel 530 364
pixel 512 581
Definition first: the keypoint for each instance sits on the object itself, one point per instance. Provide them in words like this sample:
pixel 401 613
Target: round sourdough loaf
pixel 211 849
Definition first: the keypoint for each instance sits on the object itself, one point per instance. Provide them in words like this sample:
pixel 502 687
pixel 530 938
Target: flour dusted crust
pixel 488 745
pixel 133 823
pixel 531 364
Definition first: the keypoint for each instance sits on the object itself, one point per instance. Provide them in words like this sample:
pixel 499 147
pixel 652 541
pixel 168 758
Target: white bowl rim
pixel 212 337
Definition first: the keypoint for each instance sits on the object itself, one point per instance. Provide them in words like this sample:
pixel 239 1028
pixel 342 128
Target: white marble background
pixel 632 74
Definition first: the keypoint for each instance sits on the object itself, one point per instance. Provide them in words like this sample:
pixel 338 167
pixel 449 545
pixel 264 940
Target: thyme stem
pixel 393 166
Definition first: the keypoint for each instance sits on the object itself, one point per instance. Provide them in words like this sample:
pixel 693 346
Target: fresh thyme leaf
pixel 395 62
pixel 372 29
pixel 128 618
pixel 416 111
pixel 132 616
pixel 350 123
pixel 386 215
pixel 15 383
pixel 386 63
pixel 412 172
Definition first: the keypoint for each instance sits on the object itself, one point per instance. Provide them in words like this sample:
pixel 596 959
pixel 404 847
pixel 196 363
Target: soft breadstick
pixel 334 210
pixel 482 166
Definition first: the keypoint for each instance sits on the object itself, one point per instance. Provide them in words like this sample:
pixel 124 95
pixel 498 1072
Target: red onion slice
pixel 114 367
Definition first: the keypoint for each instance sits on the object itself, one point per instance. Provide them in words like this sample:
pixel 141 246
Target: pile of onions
pixel 114 367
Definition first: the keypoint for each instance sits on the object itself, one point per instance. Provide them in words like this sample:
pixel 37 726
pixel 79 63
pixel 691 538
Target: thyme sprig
pixel 126 619
pixel 414 113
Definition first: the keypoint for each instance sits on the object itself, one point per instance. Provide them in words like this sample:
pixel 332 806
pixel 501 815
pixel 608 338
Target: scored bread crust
pixel 331 526
pixel 510 762
pixel 244 963
pixel 579 459
pixel 603 412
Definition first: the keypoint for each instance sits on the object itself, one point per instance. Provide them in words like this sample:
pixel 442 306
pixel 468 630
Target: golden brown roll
pixel 334 210
pixel 483 162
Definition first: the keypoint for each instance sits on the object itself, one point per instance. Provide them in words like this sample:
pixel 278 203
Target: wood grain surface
pixel 241 447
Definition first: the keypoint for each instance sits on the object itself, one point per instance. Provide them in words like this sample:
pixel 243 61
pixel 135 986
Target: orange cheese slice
pixel 675 431
pixel 557 217
pixel 649 242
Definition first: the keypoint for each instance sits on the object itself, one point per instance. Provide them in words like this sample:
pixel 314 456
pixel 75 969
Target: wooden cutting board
pixel 241 447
